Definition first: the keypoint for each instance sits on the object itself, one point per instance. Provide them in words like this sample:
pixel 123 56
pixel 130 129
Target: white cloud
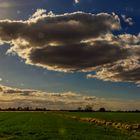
pixel 128 20
pixel 13 97
pixel 77 1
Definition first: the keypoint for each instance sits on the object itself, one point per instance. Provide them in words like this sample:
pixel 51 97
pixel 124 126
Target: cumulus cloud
pixel 75 42
pixel 128 20
pixel 14 97
pixel 55 41
pixel 123 70
pixel 77 1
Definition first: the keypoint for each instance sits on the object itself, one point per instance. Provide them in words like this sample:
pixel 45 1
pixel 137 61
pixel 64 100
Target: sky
pixel 85 51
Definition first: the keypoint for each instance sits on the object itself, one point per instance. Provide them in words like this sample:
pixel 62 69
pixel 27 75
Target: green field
pixel 114 116
pixel 52 126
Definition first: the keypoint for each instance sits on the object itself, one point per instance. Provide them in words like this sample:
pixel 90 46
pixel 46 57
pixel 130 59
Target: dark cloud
pixel 43 29
pixel 14 91
pixel 77 57
pixel 75 42
pixel 131 75
pixel 123 71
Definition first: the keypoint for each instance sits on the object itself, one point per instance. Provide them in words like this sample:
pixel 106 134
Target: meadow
pixel 130 117
pixel 55 126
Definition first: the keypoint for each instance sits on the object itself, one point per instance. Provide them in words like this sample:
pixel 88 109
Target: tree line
pixel 87 108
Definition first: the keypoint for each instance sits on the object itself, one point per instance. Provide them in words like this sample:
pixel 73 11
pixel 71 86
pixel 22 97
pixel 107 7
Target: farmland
pixel 56 126
pixel 115 116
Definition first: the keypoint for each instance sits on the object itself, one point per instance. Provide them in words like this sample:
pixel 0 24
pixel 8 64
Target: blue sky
pixel 15 73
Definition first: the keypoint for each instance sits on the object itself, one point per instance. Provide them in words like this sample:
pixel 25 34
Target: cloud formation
pixel 13 97
pixel 75 42
pixel 77 1
pixel 35 98
pixel 128 20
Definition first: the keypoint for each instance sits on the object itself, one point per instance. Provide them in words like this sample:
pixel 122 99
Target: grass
pixel 51 126
pixel 114 116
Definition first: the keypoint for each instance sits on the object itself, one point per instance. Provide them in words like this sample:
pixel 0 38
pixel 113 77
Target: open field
pixel 114 116
pixel 55 126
